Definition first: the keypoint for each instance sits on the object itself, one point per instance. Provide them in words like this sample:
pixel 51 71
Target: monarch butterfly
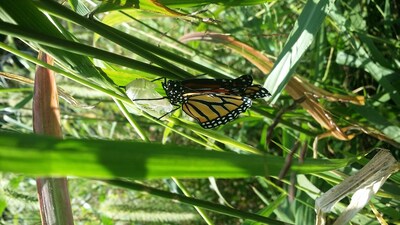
pixel 241 86
pixel 231 86
pixel 213 109
pixel 213 102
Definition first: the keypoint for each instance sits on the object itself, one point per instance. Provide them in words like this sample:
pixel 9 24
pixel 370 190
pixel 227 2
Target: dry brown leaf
pixel 297 87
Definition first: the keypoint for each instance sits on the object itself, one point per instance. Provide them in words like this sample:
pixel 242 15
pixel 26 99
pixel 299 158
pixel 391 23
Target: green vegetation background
pixel 348 48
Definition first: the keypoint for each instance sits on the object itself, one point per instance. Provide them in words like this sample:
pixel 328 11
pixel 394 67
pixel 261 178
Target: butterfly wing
pixel 212 110
pixel 256 91
pixel 222 86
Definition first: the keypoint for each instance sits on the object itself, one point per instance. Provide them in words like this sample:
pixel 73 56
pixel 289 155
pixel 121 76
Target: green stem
pixel 197 202
pixel 187 194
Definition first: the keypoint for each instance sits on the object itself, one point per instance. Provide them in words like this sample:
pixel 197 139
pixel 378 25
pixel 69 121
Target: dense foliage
pixel 332 69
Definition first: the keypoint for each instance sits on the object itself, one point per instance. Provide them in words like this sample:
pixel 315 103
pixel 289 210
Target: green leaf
pixel 142 5
pixel 305 213
pixel 300 39
pixel 386 77
pixel 191 3
pixel 27 17
pixel 45 156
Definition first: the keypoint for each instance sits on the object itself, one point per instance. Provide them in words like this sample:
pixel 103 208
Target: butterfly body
pixel 213 102
pixel 174 91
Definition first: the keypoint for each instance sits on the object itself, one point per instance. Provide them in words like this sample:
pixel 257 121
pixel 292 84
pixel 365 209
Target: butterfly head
pixel 174 91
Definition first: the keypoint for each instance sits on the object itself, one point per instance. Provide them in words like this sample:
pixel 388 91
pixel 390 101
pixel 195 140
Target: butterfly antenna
pixel 200 75
pixel 148 99
pixel 159 118
pixel 159 79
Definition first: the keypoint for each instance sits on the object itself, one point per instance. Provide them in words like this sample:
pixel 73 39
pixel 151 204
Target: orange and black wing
pixel 176 88
pixel 212 110
pixel 256 91
pixel 221 86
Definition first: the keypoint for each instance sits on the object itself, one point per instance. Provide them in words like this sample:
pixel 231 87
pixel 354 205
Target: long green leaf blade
pixel 45 156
